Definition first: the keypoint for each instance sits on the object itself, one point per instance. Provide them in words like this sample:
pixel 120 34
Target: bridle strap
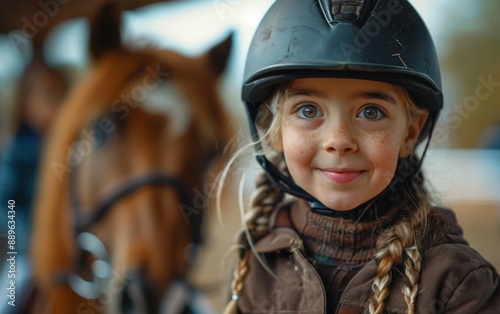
pixel 149 180
pixel 86 288
pixel 152 179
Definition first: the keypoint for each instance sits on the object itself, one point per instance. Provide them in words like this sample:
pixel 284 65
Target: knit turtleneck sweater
pixel 339 247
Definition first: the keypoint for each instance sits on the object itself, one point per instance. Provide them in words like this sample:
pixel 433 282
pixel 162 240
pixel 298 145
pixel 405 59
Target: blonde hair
pixel 403 243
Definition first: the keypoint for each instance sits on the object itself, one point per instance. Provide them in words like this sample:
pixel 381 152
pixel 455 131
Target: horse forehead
pixel 167 99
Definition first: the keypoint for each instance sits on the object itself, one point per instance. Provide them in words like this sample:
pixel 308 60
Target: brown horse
pixel 123 185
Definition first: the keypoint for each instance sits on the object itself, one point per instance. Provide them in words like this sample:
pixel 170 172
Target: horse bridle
pixel 91 244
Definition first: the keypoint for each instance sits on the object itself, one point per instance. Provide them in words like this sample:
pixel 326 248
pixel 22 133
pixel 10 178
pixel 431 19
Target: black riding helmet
pixel 381 40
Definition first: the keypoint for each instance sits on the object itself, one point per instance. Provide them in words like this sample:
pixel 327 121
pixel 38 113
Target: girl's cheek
pixel 287 140
pixel 384 143
pixel 374 126
pixel 384 154
pixel 297 141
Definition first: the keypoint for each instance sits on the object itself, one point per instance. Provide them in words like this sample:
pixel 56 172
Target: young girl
pixel 339 94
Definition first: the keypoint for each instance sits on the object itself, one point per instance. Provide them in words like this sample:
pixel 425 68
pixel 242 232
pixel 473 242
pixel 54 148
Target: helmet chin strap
pixel 378 203
pixel 286 184
pixel 405 169
pixel 283 181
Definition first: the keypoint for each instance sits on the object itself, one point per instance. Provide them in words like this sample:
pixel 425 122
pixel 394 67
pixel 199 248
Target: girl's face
pixel 342 137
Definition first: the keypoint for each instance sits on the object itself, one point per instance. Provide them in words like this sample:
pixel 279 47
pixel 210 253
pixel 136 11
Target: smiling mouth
pixel 342 176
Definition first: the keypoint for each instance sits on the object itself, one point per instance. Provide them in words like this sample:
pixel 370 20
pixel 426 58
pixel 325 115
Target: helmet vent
pixel 346 10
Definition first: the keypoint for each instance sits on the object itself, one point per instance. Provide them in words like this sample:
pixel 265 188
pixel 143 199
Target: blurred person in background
pixel 40 91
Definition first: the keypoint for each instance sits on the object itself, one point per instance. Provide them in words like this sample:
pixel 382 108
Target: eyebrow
pixel 306 92
pixel 377 95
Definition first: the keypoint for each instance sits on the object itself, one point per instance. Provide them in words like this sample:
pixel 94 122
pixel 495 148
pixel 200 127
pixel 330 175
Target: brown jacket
pixel 454 279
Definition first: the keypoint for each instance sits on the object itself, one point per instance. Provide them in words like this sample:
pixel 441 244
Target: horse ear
pixel 105 30
pixel 219 55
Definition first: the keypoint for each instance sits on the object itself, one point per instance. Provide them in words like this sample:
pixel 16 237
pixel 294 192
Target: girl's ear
pixel 414 128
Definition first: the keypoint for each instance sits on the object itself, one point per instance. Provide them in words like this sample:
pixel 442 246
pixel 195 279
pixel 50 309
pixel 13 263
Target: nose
pixel 137 296
pixel 338 137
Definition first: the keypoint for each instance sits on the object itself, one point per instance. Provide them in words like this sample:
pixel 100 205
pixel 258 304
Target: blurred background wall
pixel 463 164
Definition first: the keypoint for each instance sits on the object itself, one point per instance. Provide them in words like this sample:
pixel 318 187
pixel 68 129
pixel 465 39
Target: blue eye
pixel 309 112
pixel 371 113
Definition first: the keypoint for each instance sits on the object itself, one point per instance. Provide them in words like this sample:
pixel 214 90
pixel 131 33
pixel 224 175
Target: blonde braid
pixel 412 264
pixel 412 260
pixel 262 202
pixel 390 251
pixel 403 243
pixel 240 273
pixel 380 285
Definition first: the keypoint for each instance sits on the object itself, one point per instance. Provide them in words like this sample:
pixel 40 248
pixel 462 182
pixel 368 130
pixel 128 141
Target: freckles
pixel 383 151
pixel 304 137
pixel 380 138
pixel 384 142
